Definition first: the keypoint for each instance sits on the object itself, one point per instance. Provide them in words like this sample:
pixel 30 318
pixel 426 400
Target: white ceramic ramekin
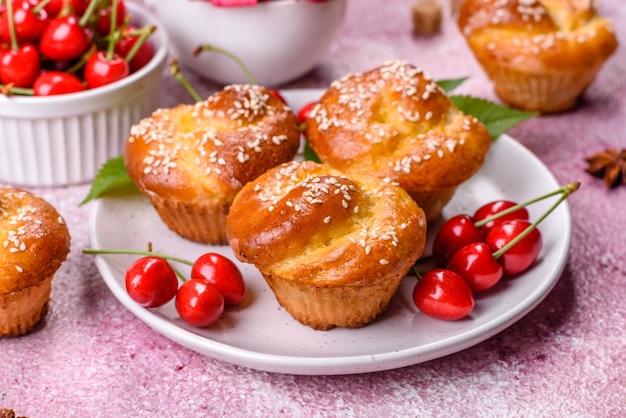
pixel 277 40
pixel 65 139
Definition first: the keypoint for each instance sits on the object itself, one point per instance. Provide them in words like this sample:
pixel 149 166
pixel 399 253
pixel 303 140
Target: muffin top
pixel 210 149
pixel 537 36
pixel 395 123
pixel 34 240
pixel 309 222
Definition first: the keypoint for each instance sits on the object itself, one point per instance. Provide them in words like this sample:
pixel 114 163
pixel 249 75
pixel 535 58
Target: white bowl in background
pixel 65 139
pixel 278 41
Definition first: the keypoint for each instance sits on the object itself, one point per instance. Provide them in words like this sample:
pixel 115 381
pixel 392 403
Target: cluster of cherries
pixel 51 47
pixel 473 253
pixel 215 282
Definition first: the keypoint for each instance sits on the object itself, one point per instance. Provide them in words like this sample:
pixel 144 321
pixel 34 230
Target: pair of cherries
pixel 473 254
pixel 215 282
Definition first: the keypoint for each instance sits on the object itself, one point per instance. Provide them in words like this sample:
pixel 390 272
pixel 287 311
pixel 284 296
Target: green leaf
pixel 451 84
pixel 111 176
pixel 309 154
pixel 497 118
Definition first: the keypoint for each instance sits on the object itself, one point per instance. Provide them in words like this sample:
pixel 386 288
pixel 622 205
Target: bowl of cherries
pixel 74 77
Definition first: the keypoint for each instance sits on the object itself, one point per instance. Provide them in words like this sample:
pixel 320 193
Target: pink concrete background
pixel 566 358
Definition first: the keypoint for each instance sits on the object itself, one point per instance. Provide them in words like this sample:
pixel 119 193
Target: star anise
pixel 609 165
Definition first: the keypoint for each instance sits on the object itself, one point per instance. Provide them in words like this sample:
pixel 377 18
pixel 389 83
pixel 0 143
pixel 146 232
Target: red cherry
pixel 19 66
pixel 29 24
pixel 280 96
pixel 51 83
pixel 143 55
pixel 304 111
pixel 455 233
pixel 100 70
pixel 54 7
pixel 494 208
pixel 521 255
pixel 443 294
pixel 475 263
pixel 151 282
pixel 199 303
pixel 223 274
pixel 103 24
pixel 64 38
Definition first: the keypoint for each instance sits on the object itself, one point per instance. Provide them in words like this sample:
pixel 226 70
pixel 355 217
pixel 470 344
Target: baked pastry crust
pixel 395 123
pixel 34 243
pixel 191 160
pixel 332 247
pixel 540 54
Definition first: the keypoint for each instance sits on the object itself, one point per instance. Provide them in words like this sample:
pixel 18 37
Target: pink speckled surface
pixel 92 358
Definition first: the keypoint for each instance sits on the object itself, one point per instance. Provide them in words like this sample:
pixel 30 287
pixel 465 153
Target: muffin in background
pixel 35 242
pixel 332 247
pixel 540 54
pixel 191 160
pixel 396 124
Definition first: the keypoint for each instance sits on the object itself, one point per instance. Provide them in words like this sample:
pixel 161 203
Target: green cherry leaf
pixel 309 154
pixel 450 84
pixel 111 176
pixel 497 118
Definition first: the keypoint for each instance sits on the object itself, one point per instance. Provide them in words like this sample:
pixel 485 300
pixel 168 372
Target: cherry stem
pixel 114 35
pixel 175 70
pixel 14 44
pixel 212 48
pixel 139 252
pixel 88 12
pixel 143 34
pixel 566 191
pixel 40 6
pixel 8 90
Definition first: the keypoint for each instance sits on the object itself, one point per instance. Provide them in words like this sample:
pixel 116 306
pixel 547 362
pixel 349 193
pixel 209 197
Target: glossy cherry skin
pixel 103 24
pixel 455 233
pixel 151 282
pixel 443 294
pixel 143 55
pixel 78 6
pixel 221 273
pixel 50 83
pixel 100 71
pixel 475 263
pixel 523 254
pixel 280 96
pixel 19 66
pixel 28 25
pixel 64 39
pixel 303 113
pixel 199 303
pixel 494 208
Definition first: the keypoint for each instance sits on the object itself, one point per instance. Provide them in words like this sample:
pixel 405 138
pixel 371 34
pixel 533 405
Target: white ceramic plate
pixel 259 334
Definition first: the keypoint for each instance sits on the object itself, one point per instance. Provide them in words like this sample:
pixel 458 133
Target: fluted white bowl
pixel 65 139
pixel 278 41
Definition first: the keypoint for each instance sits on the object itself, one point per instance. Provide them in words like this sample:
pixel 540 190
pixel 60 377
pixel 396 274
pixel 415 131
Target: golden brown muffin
pixel 191 160
pixel 540 54
pixel 395 123
pixel 34 243
pixel 333 248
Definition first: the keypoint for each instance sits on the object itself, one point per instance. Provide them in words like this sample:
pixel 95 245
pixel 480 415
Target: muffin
pixel 333 248
pixel 35 242
pixel 541 55
pixel 191 160
pixel 396 124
